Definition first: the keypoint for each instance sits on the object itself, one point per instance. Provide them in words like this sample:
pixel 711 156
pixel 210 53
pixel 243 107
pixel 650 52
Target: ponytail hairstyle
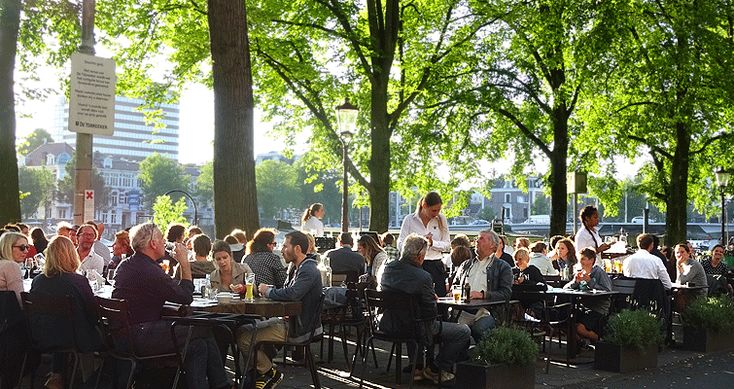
pixel 429 200
pixel 586 213
pixel 311 211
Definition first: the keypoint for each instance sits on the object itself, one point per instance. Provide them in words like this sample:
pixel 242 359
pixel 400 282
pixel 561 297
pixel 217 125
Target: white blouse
pixel 313 224
pixel 588 238
pixel 438 227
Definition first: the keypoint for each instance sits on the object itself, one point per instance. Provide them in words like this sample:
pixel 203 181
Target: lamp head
pixel 722 177
pixel 346 116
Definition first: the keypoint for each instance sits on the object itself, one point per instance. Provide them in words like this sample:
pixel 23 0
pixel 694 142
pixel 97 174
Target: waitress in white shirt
pixel 428 221
pixel 588 236
pixel 311 221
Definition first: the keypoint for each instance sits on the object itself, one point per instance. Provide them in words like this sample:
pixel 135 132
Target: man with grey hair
pixel 489 278
pixel 407 276
pixel 146 287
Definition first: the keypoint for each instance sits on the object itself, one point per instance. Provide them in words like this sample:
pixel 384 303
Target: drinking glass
pixel 250 287
pixel 111 277
pixel 457 294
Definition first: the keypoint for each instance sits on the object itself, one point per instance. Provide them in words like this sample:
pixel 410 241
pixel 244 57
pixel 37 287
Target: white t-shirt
pixel 543 263
pixel 313 224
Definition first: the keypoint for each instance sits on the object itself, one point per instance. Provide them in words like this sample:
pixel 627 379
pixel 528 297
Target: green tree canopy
pixel 159 174
pixel 166 212
pixel 204 188
pixel 277 187
pixel 37 185
pixel 36 138
pixel 669 97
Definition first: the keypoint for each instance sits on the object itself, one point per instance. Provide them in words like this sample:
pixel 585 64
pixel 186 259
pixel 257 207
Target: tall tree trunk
pixel 235 196
pixel 559 165
pixel 9 195
pixel 676 214
pixel 379 162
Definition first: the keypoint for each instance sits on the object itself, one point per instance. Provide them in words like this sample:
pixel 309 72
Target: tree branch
pixel 526 131
pixel 656 148
pixel 198 8
pixel 312 25
pixel 712 140
pixel 630 105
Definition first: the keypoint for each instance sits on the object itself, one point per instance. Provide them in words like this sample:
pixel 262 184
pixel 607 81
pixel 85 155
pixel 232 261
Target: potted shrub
pixel 708 324
pixel 505 358
pixel 631 342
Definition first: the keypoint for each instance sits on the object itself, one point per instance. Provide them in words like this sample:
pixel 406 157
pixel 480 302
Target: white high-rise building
pixel 133 138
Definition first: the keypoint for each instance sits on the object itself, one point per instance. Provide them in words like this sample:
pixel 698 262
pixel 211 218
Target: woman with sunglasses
pixel 13 249
pixel 268 267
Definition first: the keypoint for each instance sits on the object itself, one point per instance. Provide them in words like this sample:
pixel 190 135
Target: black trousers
pixel 437 270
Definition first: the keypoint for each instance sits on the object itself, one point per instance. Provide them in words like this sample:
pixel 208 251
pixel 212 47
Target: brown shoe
pixel 54 381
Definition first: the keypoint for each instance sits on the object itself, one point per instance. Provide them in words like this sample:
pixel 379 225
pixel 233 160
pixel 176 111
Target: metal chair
pixel 120 343
pixel 312 338
pixel 51 310
pixel 396 302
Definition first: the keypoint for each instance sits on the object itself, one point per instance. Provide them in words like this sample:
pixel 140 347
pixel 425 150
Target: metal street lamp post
pixel 346 118
pixel 191 198
pixel 722 180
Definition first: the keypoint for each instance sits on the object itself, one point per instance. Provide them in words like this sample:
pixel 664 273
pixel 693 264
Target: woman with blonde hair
pixel 13 249
pixel 428 222
pixel 59 278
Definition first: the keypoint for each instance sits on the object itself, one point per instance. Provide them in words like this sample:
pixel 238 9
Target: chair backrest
pixel 51 321
pixel 10 312
pixel 314 325
pixel 402 306
pixel 115 319
pixel 346 277
pixel 625 286
pixel 717 284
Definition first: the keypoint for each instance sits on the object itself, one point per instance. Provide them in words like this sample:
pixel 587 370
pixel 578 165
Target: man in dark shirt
pixel 408 276
pixel 344 260
pixel 146 287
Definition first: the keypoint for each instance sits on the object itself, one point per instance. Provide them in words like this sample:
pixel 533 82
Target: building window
pixel 508 197
pixel 525 213
pixel 50 160
pixel 107 163
pixel 521 199
pixel 113 218
pixel 62 213
pixel 105 219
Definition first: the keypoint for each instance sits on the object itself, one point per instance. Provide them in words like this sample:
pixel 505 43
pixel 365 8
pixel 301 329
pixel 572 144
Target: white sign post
pixel 88 204
pixel 92 97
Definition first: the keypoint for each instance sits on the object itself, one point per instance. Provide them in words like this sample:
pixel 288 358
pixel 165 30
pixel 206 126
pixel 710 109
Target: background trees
pixel 159 174
pixel 37 188
pixel 669 98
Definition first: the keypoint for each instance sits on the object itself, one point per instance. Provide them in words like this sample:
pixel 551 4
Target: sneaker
pixel 269 380
pixel 445 376
pixel 54 381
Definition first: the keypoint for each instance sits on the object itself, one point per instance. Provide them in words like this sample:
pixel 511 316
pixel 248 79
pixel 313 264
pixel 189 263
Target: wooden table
pixel 260 306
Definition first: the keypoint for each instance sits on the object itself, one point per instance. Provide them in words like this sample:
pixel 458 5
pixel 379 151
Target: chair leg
pixel 343 333
pixel 22 370
pixel 73 370
pixel 312 368
pixel 133 367
pixel 398 362
pixel 368 343
pixel 389 358
pixel 415 366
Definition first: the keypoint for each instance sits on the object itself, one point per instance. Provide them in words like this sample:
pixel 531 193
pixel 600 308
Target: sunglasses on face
pixel 23 247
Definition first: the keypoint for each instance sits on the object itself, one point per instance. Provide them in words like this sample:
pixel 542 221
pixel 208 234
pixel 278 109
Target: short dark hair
pixel 298 238
pixel 202 245
pixel 346 238
pixel 175 231
pixel 388 239
pixel 538 247
pixel 644 241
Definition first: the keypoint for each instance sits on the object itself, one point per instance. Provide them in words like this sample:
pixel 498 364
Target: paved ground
pixel 675 369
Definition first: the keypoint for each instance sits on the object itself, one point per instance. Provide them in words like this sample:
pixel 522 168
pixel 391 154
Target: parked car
pixel 641 220
pixel 538 219
pixel 480 222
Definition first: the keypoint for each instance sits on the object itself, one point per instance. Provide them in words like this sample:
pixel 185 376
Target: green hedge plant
pixel 634 329
pixel 714 314
pixel 506 346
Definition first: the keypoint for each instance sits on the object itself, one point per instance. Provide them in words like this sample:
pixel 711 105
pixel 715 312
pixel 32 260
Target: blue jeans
pixel 203 363
pixel 482 327
pixel 454 344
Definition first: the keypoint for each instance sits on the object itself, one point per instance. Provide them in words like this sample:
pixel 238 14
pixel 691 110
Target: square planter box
pixel 702 340
pixel 612 357
pixel 476 376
